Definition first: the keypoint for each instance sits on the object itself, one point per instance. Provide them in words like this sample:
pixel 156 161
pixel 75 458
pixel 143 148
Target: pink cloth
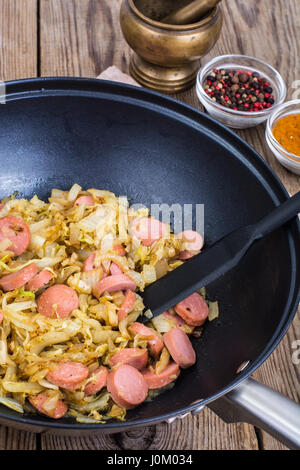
pixel 114 74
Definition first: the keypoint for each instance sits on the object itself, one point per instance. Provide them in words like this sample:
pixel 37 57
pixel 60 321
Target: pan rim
pixel 34 87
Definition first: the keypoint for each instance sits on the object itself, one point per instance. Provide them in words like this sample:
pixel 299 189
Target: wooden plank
pixel 203 432
pixel 18 39
pixel 12 439
pixel 81 38
pixel 18 59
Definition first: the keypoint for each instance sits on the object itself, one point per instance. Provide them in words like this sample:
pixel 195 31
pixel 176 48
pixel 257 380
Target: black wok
pixel 55 132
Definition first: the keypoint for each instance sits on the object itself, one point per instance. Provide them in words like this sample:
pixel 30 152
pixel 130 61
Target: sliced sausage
pixel 127 304
pixel 38 401
pixel 1 317
pixel 89 265
pixel 114 283
pixel 177 320
pixel 86 200
pixel 39 281
pixel 58 301
pixel 148 230
pixel 154 342
pixel 19 278
pixel 134 357
pixel 193 240
pixel 186 254
pixel 168 375
pixel 68 375
pixel 179 346
pixel 127 386
pixel 120 250
pixel 193 309
pixel 114 269
pixel 17 231
pixel 98 381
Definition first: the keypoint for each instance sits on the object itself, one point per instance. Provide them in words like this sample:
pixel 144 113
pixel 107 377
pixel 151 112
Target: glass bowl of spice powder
pixel 283 135
pixel 239 91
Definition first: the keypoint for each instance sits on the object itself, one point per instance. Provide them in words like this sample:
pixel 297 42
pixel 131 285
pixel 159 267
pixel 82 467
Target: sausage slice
pixel 134 357
pixel 39 281
pixel 38 401
pixel 193 243
pixel 86 200
pixel 193 310
pixel 68 375
pixel 88 265
pixel 58 301
pixel 120 250
pixel 168 375
pixel 180 347
pixel 148 230
pixel 113 284
pixel 19 278
pixel 127 304
pixel 193 240
pixel 17 231
pixel 154 342
pixel 97 382
pixel 127 386
pixel 114 269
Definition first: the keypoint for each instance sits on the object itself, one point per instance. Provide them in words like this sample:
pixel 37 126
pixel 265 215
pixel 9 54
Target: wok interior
pixel 107 143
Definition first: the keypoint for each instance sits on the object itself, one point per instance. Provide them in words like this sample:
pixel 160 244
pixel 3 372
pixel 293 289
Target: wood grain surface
pixel 83 38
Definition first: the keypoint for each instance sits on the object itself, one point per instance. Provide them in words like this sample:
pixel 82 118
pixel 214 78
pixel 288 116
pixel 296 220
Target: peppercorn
pixel 261 97
pixel 234 88
pixel 243 77
pixel 241 90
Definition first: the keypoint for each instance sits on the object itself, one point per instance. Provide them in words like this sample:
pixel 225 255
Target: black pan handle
pixel 279 216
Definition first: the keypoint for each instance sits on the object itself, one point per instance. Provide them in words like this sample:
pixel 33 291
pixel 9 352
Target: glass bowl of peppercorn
pixel 283 135
pixel 240 91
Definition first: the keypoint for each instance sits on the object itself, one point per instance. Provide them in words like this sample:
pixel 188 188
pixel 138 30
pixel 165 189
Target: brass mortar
pixel 166 57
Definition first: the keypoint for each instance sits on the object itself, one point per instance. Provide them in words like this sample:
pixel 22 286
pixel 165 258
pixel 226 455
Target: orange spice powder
pixel 287 132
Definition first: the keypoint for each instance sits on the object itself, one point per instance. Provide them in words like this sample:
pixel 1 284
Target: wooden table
pixel 82 38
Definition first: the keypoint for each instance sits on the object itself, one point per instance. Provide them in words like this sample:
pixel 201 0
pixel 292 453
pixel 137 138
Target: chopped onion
pixel 50 404
pixel 149 273
pixel 161 268
pixel 107 243
pixel 73 193
pixel 36 241
pixel 13 404
pixel 38 226
pixel 213 310
pixel 162 323
pixel 20 306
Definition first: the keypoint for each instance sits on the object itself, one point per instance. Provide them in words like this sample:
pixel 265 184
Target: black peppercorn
pixel 239 89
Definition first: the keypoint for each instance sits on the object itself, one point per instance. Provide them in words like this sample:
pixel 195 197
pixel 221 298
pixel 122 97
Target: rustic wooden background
pixel 83 37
